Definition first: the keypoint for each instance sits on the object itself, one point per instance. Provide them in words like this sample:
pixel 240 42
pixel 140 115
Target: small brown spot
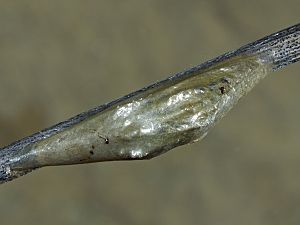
pixel 93 146
pixel 222 89
pixel 105 139
pixel 92 152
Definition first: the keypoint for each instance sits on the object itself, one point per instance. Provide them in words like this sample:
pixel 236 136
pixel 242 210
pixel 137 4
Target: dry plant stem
pixel 155 119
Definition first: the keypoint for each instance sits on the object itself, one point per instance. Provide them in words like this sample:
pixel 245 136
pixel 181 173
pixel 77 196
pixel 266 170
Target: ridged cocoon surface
pixel 152 122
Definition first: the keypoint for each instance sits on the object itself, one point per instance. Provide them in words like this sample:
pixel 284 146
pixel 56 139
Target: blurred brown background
pixel 59 58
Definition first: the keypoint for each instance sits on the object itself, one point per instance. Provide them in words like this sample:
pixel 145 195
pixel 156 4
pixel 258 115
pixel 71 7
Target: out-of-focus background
pixel 59 58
